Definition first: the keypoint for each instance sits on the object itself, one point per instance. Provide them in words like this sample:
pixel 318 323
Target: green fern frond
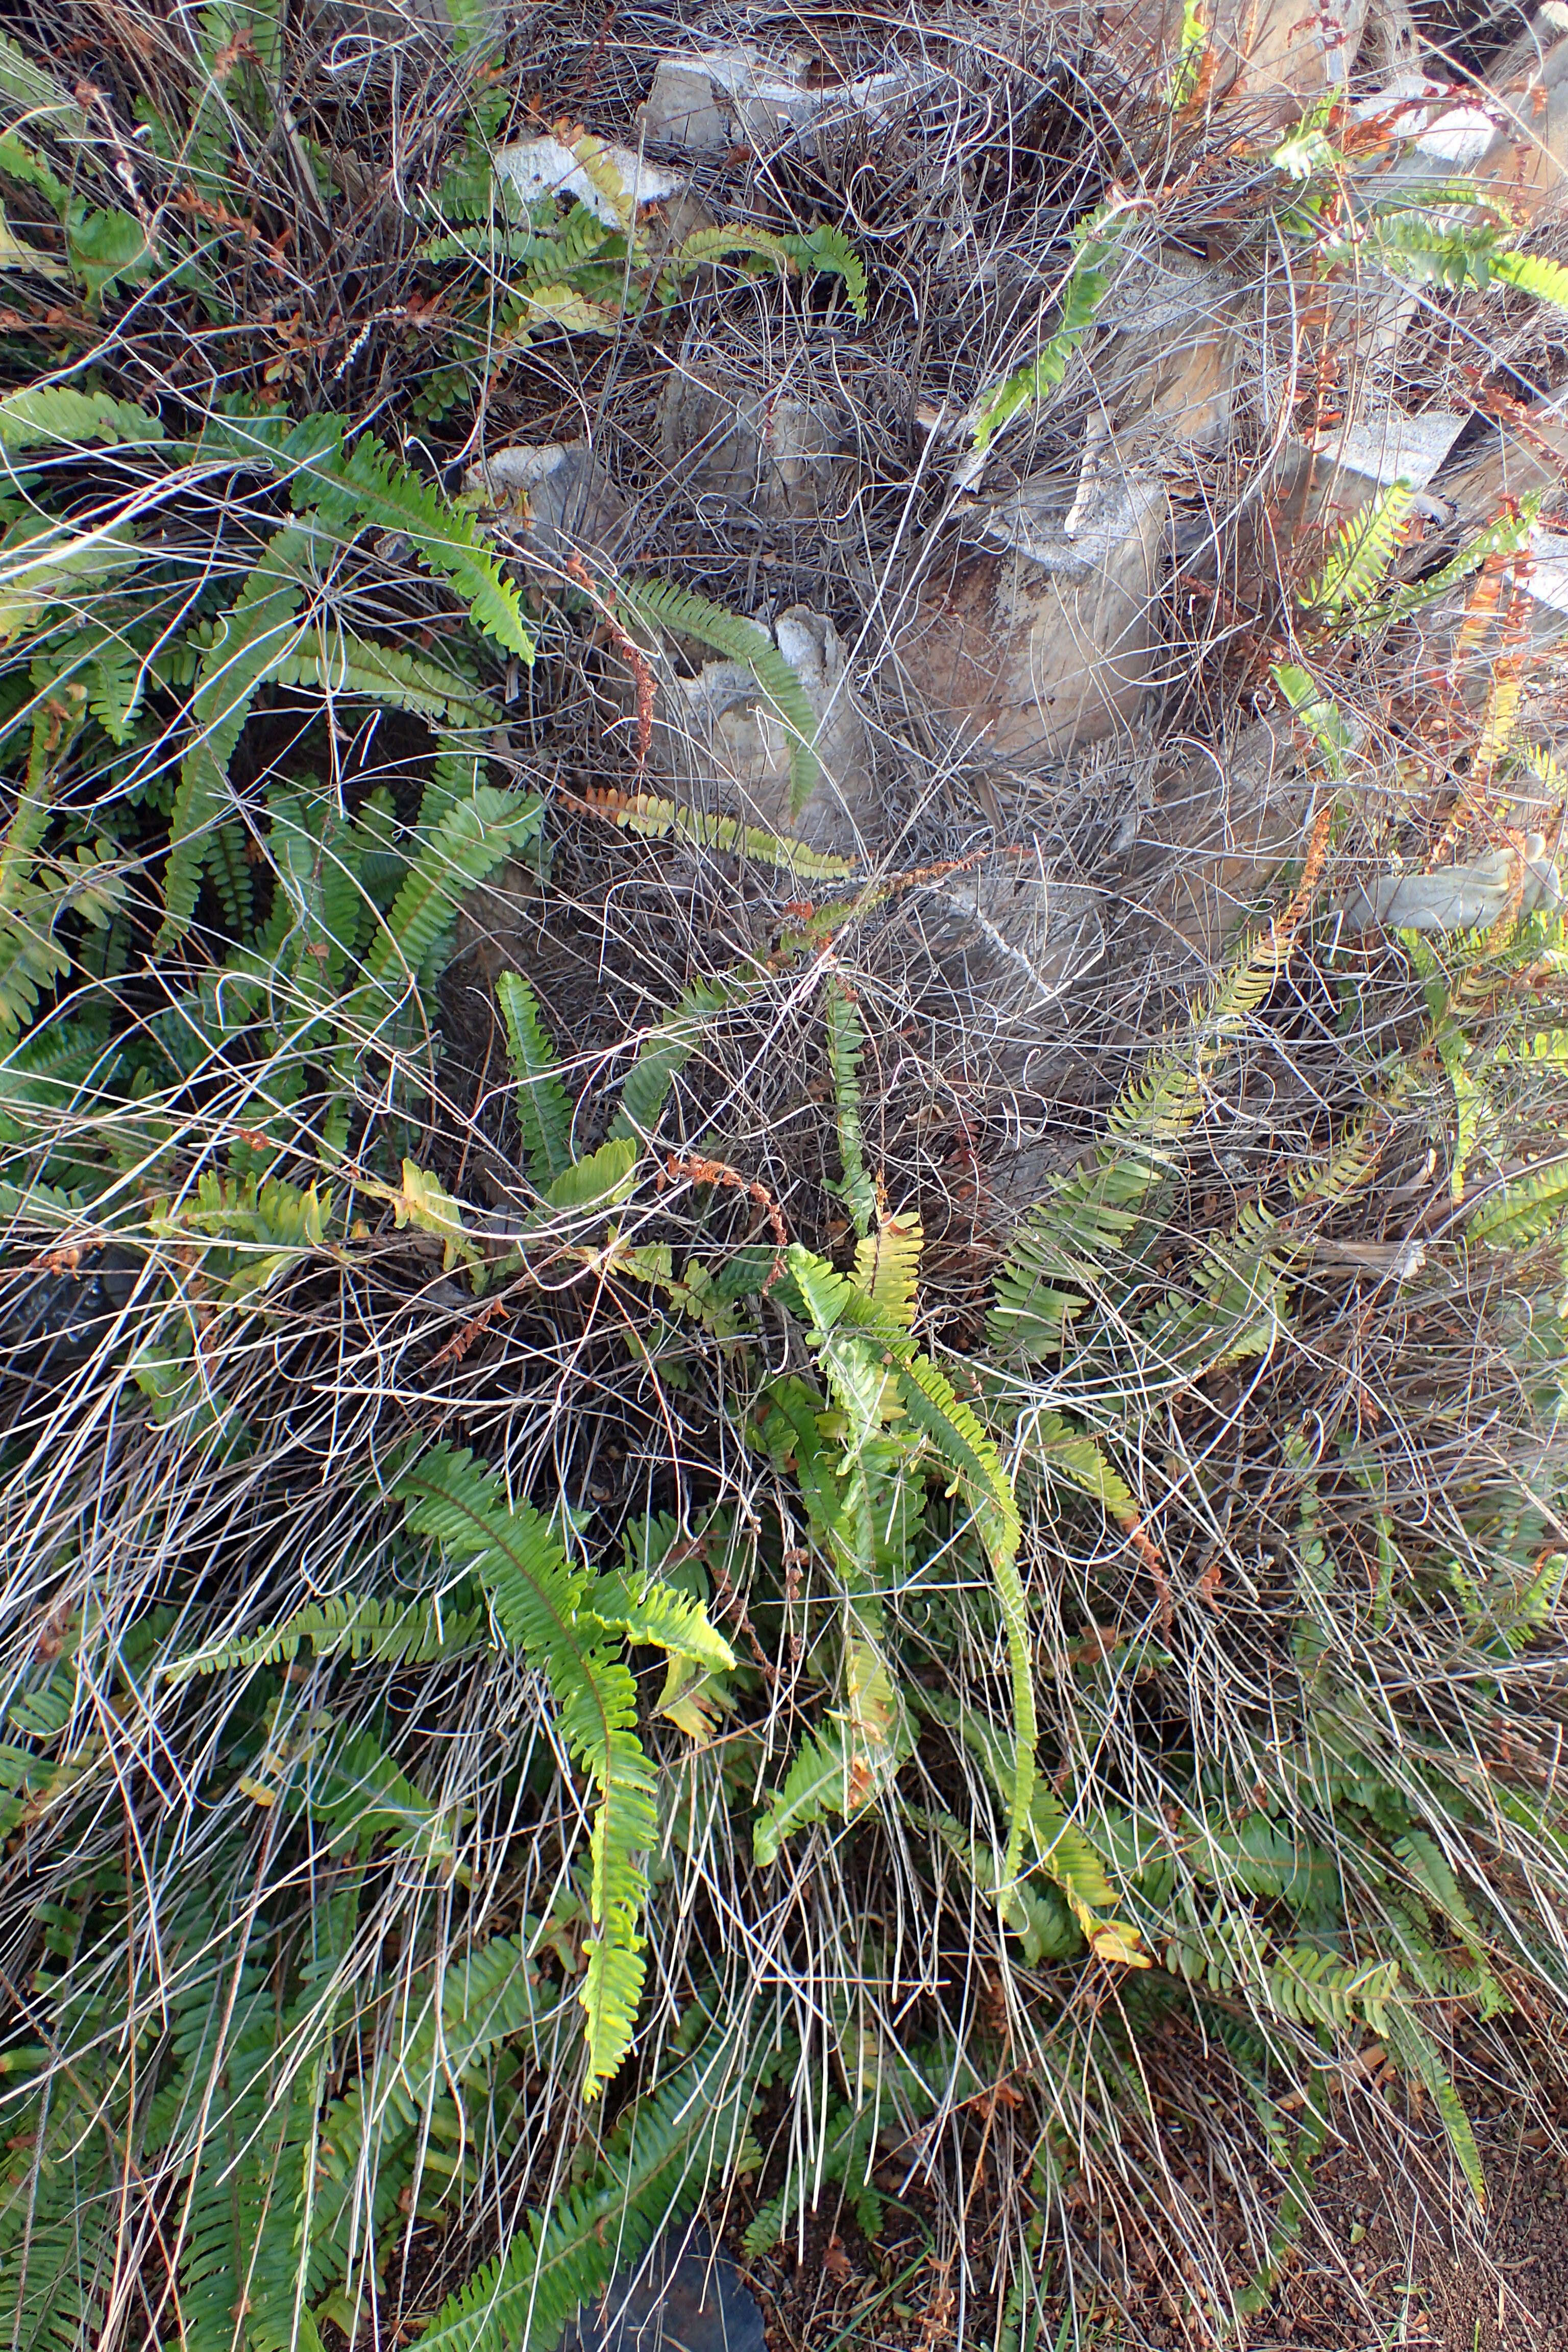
pixel 597 1181
pixel 827 250
pixel 1549 1045
pixel 1509 535
pixel 846 2153
pixel 656 820
pixel 972 1459
pixel 229 865
pixel 569 244
pixel 370 486
pixel 816 1784
pixel 1187 69
pixel 845 1042
pixel 1317 1988
pixel 1525 1209
pixel 642 1609
pixel 473 837
pixel 363 1798
pixel 1434 1874
pixel 1062 1451
pixel 1300 1983
pixel 57 417
pixel 1057 1845
pixel 543 1105
pixel 369 2140
pixel 1415 2053
pixel 704 246
pixel 1364 547
pixel 258 633
pixel 664 1052
pixel 887 1267
pixel 473 28
pixel 349 1625
pixel 117 679
pixel 536 1595
pixel 1065 1244
pixel 27 166
pixel 661 604
pixel 1533 273
pixel 356 668
pixel 544 302
pixel 665 2154
pixel 1235 1303
pixel 422 1202
pixel 1075 1866
pixel 34 92
pixel 1424 251
pixel 1342 1173
pixel 1087 286
pixel 1319 713
pixel 969 1460
pixel 31 956
pixel 1037 1915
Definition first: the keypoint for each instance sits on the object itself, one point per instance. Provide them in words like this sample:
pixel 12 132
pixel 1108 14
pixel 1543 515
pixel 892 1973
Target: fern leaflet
pixel 1365 546
pixel 372 486
pixel 472 840
pixel 827 248
pixel 539 1602
pixel 662 2157
pixel 252 640
pixel 655 820
pixel 1088 283
pixel 349 1625
pixel 845 1042
pixel 543 1105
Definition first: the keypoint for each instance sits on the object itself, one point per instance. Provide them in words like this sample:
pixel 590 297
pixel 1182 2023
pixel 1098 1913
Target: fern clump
pixel 659 1555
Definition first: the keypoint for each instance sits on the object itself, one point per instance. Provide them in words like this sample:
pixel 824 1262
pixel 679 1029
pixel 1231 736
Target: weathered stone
pixel 1526 160
pixel 777 452
pixel 1048 642
pixel 1255 49
pixel 717 742
pixel 1165 374
pixel 1221 827
pixel 1012 938
pixel 713 99
pixel 554 500
pixel 1331 476
pixel 1461 898
pixel 545 167
pixel 499 923
pixel 1525 455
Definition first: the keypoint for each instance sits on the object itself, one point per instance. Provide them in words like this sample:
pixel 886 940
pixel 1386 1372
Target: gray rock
pixel 1050 643
pixel 1013 940
pixel 686 2299
pixel 1459 897
pixel 718 741
pixel 780 454
pixel 708 99
pixel 555 499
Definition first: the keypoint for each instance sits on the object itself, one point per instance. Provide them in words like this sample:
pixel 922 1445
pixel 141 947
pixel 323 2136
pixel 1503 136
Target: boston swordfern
pixel 1294 1901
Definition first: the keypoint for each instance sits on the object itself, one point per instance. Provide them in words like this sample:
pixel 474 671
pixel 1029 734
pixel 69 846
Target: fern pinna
pixel 569 1627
